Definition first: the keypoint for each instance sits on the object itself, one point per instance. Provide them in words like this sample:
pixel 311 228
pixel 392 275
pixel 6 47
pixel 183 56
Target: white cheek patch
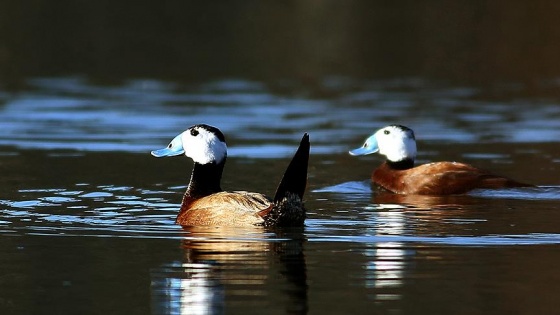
pixel 215 151
pixel 396 146
pixel 410 145
pixel 204 148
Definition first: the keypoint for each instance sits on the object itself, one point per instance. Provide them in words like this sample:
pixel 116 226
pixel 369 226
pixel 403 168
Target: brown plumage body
pixel 439 178
pixel 236 208
pixel 239 208
pixel 399 175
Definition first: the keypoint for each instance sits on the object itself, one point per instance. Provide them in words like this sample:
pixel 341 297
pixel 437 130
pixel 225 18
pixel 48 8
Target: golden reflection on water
pixel 246 261
pixel 422 202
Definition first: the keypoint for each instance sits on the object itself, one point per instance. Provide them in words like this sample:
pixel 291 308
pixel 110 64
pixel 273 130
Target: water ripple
pixel 484 240
pixel 130 212
pixel 140 115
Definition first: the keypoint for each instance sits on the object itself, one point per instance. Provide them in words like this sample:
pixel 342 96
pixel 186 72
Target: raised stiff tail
pixel 294 180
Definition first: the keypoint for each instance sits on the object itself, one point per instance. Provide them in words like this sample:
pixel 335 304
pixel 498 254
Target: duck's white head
pixel 396 142
pixel 204 144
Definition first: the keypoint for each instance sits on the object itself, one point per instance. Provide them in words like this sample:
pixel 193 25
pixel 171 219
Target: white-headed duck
pixel 399 175
pixel 204 202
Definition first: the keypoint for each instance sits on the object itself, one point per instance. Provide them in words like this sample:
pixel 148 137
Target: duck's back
pixel 236 208
pixel 439 178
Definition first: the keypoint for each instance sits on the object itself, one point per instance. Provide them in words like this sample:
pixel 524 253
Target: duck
pixel 206 204
pixel 399 175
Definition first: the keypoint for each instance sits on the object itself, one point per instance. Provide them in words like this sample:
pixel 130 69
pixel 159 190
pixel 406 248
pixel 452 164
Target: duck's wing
pixel 237 208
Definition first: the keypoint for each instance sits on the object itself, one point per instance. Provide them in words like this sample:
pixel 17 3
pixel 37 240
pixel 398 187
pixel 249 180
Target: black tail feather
pixel 295 177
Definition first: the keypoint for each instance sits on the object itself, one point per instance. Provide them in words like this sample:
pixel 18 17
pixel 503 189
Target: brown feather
pixel 237 208
pixel 440 178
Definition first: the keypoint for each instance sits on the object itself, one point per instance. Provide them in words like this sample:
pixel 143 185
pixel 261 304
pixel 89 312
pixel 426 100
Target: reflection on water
pixel 386 260
pixel 245 261
pixel 186 288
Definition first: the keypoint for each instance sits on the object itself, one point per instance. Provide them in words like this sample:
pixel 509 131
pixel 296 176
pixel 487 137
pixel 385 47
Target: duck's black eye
pixel 386 132
pixel 194 132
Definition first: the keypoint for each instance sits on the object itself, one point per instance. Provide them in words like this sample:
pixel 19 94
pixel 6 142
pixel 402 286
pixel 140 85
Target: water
pixel 87 215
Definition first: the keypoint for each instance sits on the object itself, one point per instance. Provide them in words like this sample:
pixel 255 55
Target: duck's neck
pixel 205 179
pixel 402 164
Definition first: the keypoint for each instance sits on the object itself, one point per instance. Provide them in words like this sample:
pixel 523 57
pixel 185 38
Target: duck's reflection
pixel 385 200
pixel 386 260
pixel 186 288
pixel 390 216
pixel 238 266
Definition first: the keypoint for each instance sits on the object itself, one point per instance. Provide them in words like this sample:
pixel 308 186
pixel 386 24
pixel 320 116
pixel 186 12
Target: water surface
pixel 87 215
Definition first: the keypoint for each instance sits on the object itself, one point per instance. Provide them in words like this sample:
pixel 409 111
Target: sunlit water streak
pixel 539 193
pixel 122 211
pixel 140 115
pixel 362 188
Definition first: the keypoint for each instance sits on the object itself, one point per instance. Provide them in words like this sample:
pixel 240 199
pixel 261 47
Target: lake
pixel 87 215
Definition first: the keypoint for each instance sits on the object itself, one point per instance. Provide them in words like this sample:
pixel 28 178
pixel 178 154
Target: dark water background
pixel 89 88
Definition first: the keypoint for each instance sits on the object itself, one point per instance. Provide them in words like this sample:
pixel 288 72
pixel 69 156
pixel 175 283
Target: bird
pixel 206 204
pixel 399 175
